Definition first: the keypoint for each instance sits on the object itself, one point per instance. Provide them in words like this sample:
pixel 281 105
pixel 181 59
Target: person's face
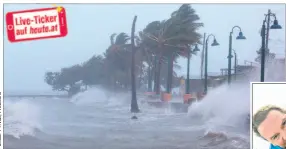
pixel 273 128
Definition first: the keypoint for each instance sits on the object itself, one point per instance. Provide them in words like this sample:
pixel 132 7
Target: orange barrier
pixel 166 97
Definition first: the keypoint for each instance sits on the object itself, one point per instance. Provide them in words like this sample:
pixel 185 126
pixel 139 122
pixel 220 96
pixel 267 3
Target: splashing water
pixel 21 117
pixel 223 107
pixel 91 96
pixel 94 113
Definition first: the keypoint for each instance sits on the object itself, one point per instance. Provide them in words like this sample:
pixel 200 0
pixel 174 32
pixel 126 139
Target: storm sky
pixel 90 25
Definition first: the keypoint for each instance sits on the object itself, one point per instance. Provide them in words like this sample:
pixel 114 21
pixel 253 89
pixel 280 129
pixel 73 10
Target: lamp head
pixel 275 25
pixel 240 36
pixel 196 48
pixel 215 43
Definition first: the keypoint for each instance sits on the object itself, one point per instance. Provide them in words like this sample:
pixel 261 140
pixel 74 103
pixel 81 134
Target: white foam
pixel 223 107
pixel 90 96
pixel 228 107
pixel 98 96
pixel 22 117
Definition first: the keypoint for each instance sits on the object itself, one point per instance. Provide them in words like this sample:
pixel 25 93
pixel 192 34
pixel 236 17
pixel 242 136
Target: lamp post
pixel 215 43
pixel 235 63
pixel 239 37
pixel 134 105
pixel 264 38
pixel 187 95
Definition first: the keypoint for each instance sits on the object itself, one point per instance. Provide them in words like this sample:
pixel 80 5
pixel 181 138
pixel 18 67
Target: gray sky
pixel 90 25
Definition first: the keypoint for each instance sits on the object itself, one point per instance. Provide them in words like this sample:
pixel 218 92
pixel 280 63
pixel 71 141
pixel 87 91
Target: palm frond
pixel 112 38
pixel 121 39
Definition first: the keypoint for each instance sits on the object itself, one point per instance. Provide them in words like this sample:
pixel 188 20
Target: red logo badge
pixel 36 24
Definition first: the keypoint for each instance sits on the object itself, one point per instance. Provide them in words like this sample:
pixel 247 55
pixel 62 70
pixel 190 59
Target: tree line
pixel 157 49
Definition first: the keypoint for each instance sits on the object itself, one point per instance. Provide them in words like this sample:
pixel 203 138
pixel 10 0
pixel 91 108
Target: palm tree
pixel 117 60
pixel 165 70
pixel 146 52
pixel 171 36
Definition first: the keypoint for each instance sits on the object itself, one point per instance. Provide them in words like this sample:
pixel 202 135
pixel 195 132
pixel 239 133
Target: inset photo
pixel 269 115
pixel 136 76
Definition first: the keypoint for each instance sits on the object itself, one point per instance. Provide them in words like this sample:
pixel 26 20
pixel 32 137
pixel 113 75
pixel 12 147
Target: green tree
pixel 92 73
pixel 66 80
pixel 154 51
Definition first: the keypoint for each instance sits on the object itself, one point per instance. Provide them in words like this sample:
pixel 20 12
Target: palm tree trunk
pixel 149 79
pixel 159 65
pixel 127 79
pixel 170 73
pixel 114 84
pixel 140 75
pixel 155 72
pixel 150 61
pixel 134 104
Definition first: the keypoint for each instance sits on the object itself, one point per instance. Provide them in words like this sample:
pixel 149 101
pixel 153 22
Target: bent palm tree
pixel 171 36
pixel 117 60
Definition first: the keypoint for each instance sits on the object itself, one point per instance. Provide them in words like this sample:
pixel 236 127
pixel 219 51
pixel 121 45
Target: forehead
pixel 272 124
pixel 275 115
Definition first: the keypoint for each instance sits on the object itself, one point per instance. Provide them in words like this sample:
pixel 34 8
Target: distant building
pixel 197 83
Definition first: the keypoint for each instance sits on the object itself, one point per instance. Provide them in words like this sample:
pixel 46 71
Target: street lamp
pixel 235 63
pixel 264 37
pixel 239 37
pixel 134 104
pixel 187 95
pixel 215 43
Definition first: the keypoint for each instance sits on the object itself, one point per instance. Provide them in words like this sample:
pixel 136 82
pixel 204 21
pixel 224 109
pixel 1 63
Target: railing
pixel 250 63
